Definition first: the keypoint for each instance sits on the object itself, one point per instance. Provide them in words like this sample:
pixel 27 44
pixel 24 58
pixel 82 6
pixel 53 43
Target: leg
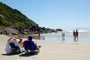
pixel 74 38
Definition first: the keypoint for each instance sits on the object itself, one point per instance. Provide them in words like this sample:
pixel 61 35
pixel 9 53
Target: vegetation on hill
pixel 10 16
pixel 12 20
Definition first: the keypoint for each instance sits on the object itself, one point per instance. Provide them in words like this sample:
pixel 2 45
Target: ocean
pixel 83 37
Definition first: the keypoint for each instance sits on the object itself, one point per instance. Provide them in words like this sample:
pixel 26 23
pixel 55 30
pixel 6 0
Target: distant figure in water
pixel 63 36
pixel 75 34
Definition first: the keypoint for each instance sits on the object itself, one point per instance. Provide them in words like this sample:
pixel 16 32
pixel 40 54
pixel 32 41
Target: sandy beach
pixel 50 51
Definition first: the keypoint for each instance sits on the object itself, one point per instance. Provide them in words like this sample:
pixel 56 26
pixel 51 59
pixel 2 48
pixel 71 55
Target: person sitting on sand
pixel 29 45
pixel 12 46
pixel 21 43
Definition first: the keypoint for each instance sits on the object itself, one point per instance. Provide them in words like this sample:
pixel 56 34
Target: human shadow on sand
pixel 28 54
pixel 11 54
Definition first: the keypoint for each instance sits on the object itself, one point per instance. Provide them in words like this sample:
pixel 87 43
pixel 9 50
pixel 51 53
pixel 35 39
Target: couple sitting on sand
pixel 17 47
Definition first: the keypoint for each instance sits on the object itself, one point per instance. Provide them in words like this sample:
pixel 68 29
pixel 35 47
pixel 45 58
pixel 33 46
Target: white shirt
pixel 8 48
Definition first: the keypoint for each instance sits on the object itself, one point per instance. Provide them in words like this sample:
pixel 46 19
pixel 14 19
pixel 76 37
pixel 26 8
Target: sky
pixel 64 14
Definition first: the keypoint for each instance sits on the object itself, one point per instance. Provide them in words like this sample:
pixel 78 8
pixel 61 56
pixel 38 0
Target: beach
pixel 50 51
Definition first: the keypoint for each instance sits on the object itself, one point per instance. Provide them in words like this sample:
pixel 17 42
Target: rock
pixel 10 31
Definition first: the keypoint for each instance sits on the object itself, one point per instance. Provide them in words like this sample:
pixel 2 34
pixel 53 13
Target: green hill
pixel 10 16
pixel 12 20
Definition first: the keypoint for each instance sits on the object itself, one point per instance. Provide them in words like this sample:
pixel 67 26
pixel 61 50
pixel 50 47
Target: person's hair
pixel 20 40
pixel 30 37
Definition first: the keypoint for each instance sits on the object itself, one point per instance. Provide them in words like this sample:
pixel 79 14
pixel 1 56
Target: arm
pixel 9 39
pixel 37 47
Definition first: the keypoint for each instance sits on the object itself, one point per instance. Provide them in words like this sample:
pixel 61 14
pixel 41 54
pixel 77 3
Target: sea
pixel 83 37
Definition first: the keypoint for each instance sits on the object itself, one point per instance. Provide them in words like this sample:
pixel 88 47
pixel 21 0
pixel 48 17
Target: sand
pixel 50 51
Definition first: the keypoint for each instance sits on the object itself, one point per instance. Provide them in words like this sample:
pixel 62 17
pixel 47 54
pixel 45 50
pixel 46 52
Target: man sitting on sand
pixel 29 45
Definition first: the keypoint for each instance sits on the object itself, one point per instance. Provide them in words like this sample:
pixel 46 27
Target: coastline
pixel 51 51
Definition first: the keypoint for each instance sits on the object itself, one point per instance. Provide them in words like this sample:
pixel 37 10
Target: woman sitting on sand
pixel 21 43
pixel 12 46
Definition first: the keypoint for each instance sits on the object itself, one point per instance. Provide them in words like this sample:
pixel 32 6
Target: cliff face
pixel 10 16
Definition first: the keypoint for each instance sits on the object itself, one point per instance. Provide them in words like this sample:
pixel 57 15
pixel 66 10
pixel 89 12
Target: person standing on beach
pixel 63 36
pixel 75 34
